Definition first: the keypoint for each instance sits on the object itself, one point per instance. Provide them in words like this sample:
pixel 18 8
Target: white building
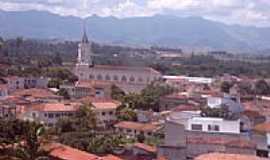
pixel 233 103
pixel 197 80
pixel 49 113
pixel 193 121
pixel 105 112
pixel 14 83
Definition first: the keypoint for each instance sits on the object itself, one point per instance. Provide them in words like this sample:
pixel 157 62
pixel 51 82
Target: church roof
pixel 127 68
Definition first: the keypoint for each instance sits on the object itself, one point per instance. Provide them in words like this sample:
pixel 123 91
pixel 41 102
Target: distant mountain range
pixel 161 30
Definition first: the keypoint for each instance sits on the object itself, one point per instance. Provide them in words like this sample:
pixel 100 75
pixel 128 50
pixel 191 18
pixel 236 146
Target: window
pixel 124 78
pixel 149 133
pixel 103 113
pixel 196 127
pixel 34 115
pixel 131 79
pixel 115 77
pixel 213 127
pixel 108 78
pixel 111 113
pixel 50 115
pixel 99 77
pixel 91 76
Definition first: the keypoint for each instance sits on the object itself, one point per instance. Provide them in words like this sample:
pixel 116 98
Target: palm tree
pixel 31 141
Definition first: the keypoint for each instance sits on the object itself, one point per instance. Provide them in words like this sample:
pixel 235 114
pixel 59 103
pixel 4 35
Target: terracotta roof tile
pixel 130 68
pixel 36 93
pixel 185 107
pixel 64 152
pixel 145 147
pixel 137 126
pixel 106 105
pixel 55 107
pixel 263 128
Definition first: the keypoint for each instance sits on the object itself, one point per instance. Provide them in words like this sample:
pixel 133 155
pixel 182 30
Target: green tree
pixel 126 114
pixel 226 86
pixel 57 59
pixel 54 83
pixel 141 138
pixel 31 148
pixel 117 93
pixel 63 92
pixel 262 87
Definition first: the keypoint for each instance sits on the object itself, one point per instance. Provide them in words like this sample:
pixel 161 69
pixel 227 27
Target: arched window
pixel 99 77
pixel 91 76
pixel 108 78
pixel 124 79
pixel 131 79
pixel 115 77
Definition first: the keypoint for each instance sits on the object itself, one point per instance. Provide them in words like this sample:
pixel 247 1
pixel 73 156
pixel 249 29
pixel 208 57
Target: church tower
pixel 85 51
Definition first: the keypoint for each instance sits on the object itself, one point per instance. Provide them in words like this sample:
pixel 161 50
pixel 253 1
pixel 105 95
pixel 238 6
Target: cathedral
pixel 129 79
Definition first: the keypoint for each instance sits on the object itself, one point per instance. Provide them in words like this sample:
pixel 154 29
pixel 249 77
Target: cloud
pixel 245 12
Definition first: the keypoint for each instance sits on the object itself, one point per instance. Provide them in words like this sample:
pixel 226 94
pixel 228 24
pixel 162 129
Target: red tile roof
pixel 222 156
pixel 137 126
pixel 263 128
pixel 55 107
pixel 36 93
pixel 129 68
pixel 106 105
pixel 185 107
pixel 64 152
pixel 176 96
pixel 145 147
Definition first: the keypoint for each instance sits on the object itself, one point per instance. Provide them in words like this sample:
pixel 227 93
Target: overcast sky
pixel 245 12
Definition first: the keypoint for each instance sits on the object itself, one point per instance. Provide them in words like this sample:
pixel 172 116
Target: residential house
pixel 105 111
pixel 37 95
pixel 133 129
pixel 14 83
pixel 97 89
pixel 49 113
pixel 188 134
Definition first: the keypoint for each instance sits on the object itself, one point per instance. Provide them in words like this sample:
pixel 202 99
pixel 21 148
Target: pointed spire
pixel 84 38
